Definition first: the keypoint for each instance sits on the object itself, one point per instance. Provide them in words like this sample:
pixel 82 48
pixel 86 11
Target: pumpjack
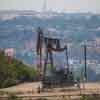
pixel 58 78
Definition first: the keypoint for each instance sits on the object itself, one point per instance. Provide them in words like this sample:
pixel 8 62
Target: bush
pixel 14 72
pixel 91 97
pixel 42 99
pixel 13 97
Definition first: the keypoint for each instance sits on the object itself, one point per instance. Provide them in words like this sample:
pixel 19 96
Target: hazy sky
pixel 59 5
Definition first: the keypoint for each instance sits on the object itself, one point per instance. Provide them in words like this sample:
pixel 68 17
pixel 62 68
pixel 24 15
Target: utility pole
pixel 67 57
pixel 85 61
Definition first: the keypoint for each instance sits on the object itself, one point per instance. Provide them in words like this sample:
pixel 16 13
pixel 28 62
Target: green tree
pixel 15 72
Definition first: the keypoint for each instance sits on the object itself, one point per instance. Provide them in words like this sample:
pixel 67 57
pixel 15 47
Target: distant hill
pixel 18 30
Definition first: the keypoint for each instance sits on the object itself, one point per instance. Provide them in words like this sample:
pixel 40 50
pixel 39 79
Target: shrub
pixel 13 97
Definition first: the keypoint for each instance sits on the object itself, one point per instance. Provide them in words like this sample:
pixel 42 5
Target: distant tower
pixel 44 6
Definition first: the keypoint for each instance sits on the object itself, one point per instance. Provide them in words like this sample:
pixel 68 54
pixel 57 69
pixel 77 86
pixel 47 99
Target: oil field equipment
pixel 58 77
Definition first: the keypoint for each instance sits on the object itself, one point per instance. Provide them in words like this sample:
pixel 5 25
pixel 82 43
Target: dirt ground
pixel 32 87
pixel 29 90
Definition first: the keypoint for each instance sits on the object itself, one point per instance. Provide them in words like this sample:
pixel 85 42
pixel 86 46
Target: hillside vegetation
pixel 15 72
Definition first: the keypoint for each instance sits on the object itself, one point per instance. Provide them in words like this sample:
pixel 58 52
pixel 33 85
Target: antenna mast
pixel 44 5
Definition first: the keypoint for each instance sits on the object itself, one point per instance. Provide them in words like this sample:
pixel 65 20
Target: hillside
pixel 14 72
